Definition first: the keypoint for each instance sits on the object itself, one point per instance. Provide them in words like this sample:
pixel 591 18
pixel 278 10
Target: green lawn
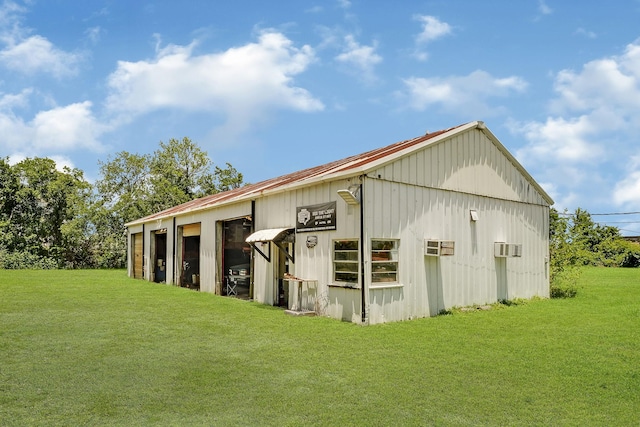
pixel 97 348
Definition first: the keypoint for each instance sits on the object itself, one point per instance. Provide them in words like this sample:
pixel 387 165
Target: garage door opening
pixel 159 251
pixel 236 259
pixel 137 244
pixel 190 256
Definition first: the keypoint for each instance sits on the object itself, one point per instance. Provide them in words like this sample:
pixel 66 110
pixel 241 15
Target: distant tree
pixel 123 193
pixel 132 186
pixel 51 218
pixel 563 271
pixel 179 172
pixel 39 204
pixel 223 180
pixel 9 186
pixel 576 240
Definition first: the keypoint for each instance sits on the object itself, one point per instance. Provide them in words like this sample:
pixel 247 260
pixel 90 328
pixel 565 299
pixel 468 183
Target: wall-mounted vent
pixel 439 247
pixel 515 250
pixel 504 250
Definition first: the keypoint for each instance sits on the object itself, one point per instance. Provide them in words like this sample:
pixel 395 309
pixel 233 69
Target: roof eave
pixel 346 171
pixel 482 127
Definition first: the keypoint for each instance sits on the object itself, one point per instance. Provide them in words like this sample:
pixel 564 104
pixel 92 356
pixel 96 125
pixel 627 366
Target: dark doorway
pixel 160 259
pixel 236 259
pixel 282 268
pixel 191 262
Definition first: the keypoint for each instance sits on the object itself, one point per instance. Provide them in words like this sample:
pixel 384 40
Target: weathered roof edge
pixel 345 168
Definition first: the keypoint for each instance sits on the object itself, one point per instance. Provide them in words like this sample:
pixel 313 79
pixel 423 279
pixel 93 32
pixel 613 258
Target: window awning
pixel 276 235
pixel 269 235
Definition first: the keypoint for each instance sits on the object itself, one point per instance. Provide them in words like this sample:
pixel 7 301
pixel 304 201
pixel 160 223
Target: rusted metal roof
pixel 325 171
pixel 339 168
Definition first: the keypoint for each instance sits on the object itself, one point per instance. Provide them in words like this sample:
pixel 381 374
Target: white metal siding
pixel 207 220
pixel 426 194
pixel 468 163
pixel 310 263
pixel 429 194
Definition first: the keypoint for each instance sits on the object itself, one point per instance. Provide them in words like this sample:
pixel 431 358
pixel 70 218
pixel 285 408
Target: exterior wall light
pixel 351 195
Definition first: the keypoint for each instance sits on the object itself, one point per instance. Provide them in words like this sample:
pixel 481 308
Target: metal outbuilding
pixel 446 219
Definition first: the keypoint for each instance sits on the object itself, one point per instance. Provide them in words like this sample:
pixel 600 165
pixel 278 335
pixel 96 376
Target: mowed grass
pixel 98 348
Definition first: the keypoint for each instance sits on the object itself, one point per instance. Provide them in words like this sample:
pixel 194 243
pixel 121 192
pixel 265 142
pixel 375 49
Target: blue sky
pixel 275 87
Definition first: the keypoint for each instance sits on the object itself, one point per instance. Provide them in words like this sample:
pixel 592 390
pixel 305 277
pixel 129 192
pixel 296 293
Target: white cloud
pixel 628 190
pixel 314 9
pixel 243 83
pixel 30 54
pixel 37 54
pixel 543 8
pixel 432 28
pixel 586 33
pixel 560 140
pixel 600 83
pixel 9 14
pixel 594 124
pixel 67 128
pixel 363 59
pixel 10 101
pixel 602 99
pixel 461 94
pixel 94 34
pixel 60 129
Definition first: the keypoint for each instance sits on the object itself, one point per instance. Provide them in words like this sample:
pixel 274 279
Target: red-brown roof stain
pixel 327 169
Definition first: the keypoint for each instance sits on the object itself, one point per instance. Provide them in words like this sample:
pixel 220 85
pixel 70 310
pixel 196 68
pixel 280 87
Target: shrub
pixel 563 291
pixel 25 260
pixel 564 281
pixel 631 255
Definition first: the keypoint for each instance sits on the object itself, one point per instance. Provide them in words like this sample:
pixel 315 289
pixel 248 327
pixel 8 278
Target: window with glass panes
pixel 345 261
pixel 384 261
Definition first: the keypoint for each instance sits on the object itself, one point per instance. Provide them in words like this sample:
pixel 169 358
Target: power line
pixel 618 222
pixel 600 214
pixel 615 213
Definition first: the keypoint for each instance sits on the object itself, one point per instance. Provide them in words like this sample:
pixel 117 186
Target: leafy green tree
pixel 576 240
pixel 179 172
pixel 132 186
pixel 9 186
pixel 226 179
pixel 563 271
pixel 38 203
pixel 124 185
pixel 123 193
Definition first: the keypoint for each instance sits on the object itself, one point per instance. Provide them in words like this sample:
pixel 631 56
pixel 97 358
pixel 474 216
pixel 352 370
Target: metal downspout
pixel 362 254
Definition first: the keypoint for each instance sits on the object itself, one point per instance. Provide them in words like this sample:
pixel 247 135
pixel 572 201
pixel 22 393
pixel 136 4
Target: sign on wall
pixel 316 217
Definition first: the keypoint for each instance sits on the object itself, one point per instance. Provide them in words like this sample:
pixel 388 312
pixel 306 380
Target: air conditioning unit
pixel 504 250
pixel 515 250
pixel 439 247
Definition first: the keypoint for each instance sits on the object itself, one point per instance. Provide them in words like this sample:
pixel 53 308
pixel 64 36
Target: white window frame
pixel 381 258
pixel 346 259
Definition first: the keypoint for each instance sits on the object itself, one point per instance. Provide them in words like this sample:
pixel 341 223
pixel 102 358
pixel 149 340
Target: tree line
pixel 576 240
pixel 57 219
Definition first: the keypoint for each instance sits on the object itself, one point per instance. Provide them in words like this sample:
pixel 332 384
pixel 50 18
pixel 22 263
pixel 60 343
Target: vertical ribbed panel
pixel 429 194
